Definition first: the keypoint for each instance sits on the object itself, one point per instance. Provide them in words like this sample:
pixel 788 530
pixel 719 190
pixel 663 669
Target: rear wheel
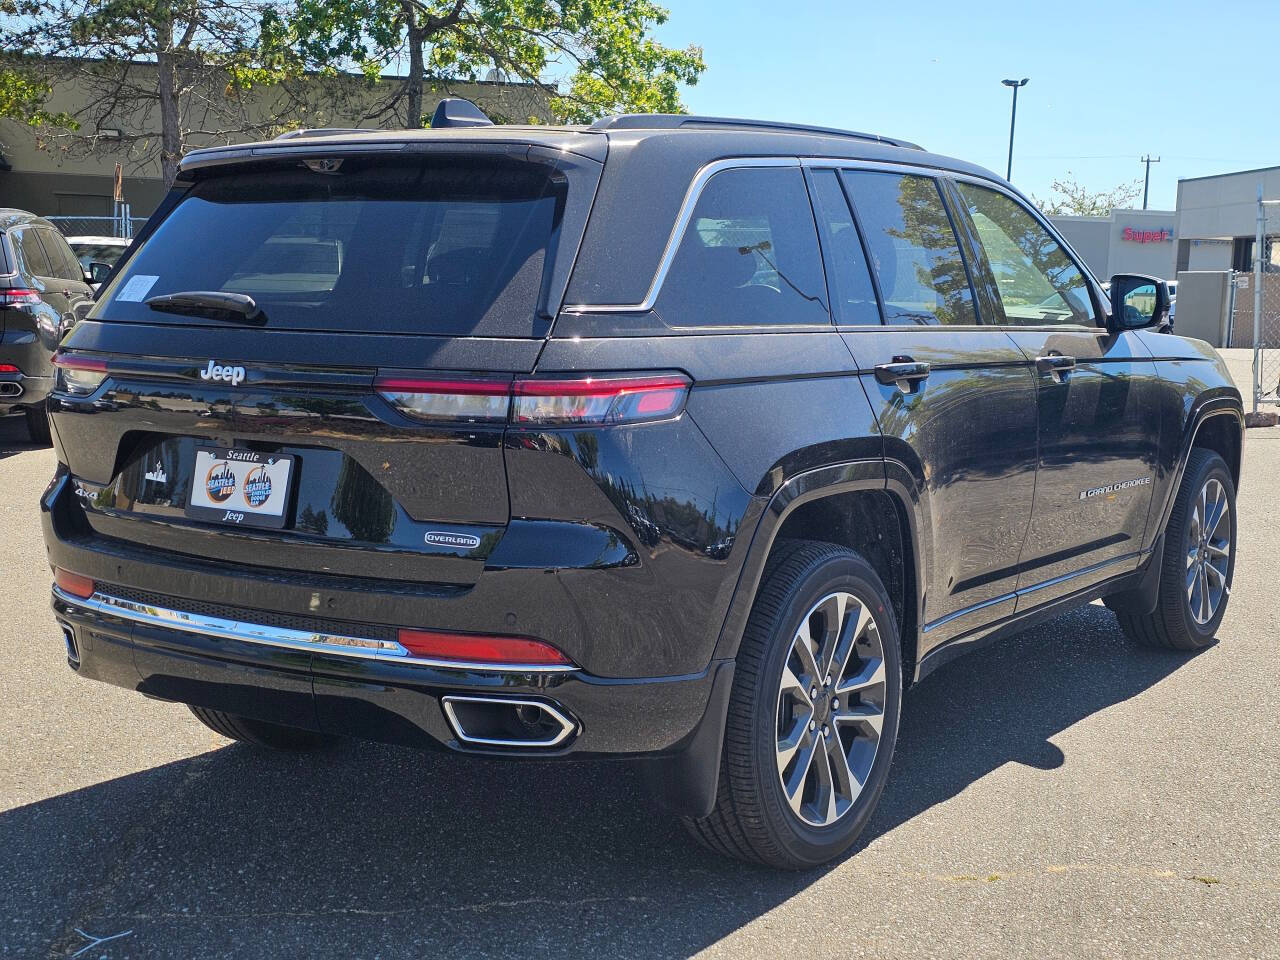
pixel 1198 561
pixel 38 426
pixel 814 712
pixel 259 732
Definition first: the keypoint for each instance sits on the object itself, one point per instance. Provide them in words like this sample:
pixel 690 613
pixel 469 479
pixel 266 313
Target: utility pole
pixel 1146 181
pixel 1013 119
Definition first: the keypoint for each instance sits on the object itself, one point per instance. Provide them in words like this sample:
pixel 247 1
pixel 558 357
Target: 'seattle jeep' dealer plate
pixel 241 487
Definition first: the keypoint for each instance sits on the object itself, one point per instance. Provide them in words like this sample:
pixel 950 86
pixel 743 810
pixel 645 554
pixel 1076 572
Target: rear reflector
pixel 480 649
pixel 8 368
pixel 621 400
pixel 17 296
pixel 454 400
pixel 73 583
pixel 78 376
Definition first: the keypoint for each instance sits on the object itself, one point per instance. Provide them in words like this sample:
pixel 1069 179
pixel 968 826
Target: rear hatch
pixel 304 363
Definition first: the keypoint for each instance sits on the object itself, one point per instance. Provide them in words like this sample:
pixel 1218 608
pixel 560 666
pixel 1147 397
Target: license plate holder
pixel 240 487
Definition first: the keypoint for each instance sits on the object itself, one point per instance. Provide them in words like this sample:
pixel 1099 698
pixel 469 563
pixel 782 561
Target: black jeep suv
pixel 681 440
pixel 42 288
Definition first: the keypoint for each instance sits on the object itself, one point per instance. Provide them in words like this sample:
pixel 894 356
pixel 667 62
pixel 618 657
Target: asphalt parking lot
pixel 1059 794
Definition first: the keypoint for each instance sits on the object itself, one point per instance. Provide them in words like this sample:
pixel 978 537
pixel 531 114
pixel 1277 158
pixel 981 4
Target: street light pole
pixel 1013 119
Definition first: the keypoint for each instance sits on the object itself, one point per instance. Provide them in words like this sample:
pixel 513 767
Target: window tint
pixel 852 293
pixel 62 261
pixel 913 248
pixel 1036 280
pixel 433 246
pixel 31 256
pixel 749 255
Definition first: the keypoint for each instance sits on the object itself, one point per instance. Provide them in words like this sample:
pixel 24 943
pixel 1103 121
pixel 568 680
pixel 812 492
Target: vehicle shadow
pixel 14 437
pixel 365 850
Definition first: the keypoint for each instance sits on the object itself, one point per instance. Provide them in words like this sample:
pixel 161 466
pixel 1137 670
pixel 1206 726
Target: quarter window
pixel 749 256
pixel 852 293
pixel 913 248
pixel 1037 282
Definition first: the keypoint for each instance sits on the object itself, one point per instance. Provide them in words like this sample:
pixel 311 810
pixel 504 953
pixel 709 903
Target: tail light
pixel 454 400
pixel 8 368
pixel 620 400
pixel 18 296
pixel 78 376
pixel 73 583
pixel 534 402
pixel 474 648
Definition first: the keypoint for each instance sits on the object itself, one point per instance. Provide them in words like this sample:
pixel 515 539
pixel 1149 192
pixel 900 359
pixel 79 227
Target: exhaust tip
pixel 10 389
pixel 504 722
pixel 73 649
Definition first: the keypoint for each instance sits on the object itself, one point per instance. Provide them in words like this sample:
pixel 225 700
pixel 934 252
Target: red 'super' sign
pixel 1147 236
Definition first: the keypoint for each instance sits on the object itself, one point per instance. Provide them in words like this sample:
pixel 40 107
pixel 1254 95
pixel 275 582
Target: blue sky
pixel 1109 81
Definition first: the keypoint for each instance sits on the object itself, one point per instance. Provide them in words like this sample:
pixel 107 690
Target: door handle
pixel 1056 365
pixel 903 372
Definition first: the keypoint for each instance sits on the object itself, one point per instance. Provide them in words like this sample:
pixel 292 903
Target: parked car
pixel 41 287
pixel 97 255
pixel 688 441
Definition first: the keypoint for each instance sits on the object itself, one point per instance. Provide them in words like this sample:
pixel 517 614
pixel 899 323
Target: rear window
pixel 438 247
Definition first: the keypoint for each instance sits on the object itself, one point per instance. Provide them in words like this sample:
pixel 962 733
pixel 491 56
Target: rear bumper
pixel 275 676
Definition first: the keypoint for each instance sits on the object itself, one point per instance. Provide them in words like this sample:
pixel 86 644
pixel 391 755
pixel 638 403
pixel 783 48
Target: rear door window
pixel 913 248
pixel 749 255
pixel 435 246
pixel 852 293
pixel 62 260
pixel 32 260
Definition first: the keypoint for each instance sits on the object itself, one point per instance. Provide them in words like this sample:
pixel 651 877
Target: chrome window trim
pixel 676 237
pixel 699 182
pixel 383 651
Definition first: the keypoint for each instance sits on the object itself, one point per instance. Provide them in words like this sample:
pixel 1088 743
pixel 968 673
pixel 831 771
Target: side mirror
pixel 1138 301
pixel 97 272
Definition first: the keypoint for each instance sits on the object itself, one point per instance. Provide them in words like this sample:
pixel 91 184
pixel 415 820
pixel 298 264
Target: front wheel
pixel 813 716
pixel 1198 561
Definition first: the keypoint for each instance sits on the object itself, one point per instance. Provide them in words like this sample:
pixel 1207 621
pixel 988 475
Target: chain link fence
pixel 1261 290
pixel 98 226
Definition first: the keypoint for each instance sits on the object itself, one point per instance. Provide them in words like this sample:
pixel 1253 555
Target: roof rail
pixel 671 121
pixel 321 132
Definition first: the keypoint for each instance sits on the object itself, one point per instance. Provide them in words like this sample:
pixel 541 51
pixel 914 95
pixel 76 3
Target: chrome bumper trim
pixel 384 651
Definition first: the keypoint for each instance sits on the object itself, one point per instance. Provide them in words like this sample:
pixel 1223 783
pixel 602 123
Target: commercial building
pixel 1218 220
pixel 74 176
pixel 1127 241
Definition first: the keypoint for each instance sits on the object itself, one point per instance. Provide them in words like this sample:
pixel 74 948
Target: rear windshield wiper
pixel 214 304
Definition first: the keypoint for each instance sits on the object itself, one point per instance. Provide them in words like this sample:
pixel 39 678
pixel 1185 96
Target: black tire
pixel 260 733
pixel 1172 626
pixel 38 426
pixel 752 820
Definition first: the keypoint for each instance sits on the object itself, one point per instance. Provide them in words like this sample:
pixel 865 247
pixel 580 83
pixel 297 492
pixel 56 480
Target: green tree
pixel 1070 198
pixel 589 57
pixel 24 93
pixel 164 72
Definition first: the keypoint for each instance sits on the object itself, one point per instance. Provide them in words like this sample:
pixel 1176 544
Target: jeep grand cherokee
pixel 682 440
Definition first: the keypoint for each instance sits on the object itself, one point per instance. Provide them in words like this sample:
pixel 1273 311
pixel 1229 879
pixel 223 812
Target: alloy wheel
pixel 831 703
pixel 1208 551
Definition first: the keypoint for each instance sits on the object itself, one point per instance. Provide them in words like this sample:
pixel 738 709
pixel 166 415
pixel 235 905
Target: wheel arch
pixel 872 506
